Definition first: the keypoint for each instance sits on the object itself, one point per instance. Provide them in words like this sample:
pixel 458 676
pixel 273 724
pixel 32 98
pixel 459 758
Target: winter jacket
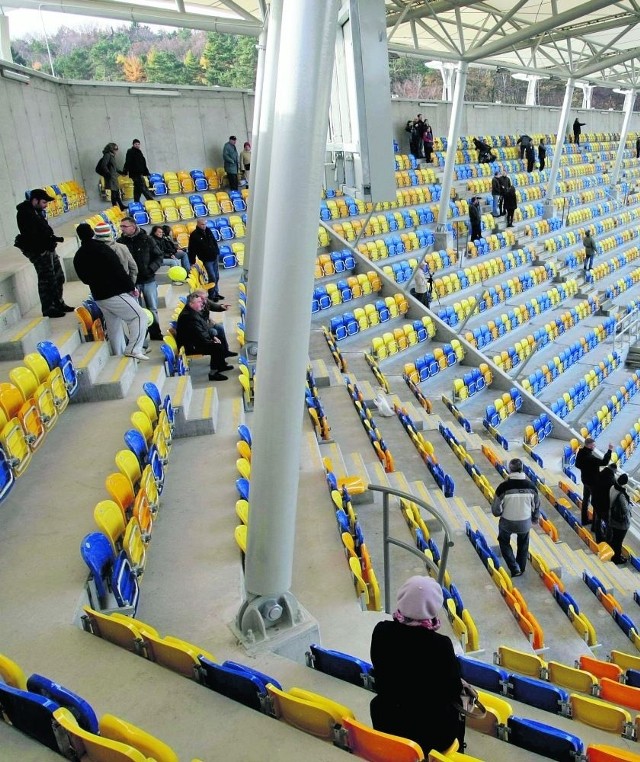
pixel 620 513
pixel 505 182
pixel 146 254
pixel 126 260
pixel 576 127
pixel 496 190
pixel 589 464
pixel 36 235
pixel 542 152
pixel 474 214
pixel 203 245
pixel 510 199
pixel 230 159
pixel 192 331
pixel 589 245
pixel 516 499
pixel 135 165
pixel 111 171
pixel 524 140
pixel 98 266
pixel 600 491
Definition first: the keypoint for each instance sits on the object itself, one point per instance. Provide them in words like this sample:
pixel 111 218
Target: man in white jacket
pixel 518 505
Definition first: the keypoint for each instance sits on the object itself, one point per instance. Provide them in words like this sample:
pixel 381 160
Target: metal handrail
pixel 388 541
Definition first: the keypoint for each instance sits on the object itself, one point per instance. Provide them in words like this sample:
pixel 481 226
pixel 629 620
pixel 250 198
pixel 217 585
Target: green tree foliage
pixel 75 65
pixel 192 69
pixel 161 66
pixel 229 60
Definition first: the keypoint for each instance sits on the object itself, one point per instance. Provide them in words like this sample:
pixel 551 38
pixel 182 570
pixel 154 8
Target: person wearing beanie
pixel 104 232
pixel 38 242
pixel 589 464
pixel 416 671
pixel 619 517
pixel 99 267
pixel 517 503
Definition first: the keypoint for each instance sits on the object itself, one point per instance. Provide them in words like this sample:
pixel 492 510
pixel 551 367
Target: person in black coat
pixel 148 257
pixel 619 517
pixel 523 141
pixel 638 147
pixel 416 671
pixel 192 333
pixel 204 246
pixel 602 501
pixel 135 165
pixel 38 242
pixel 542 154
pixel 510 204
pixel 530 154
pixel 589 464
pixel 577 131
pixel 97 265
pixel 474 218
pixel 505 183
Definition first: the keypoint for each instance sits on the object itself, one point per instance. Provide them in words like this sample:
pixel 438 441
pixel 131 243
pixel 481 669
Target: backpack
pixel 101 168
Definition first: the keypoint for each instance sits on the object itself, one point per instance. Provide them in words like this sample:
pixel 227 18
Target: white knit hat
pixel 103 232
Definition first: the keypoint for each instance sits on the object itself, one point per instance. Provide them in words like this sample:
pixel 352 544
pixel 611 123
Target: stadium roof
pixel 593 41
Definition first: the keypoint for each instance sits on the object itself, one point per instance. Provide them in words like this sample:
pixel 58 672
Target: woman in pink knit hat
pixel 416 671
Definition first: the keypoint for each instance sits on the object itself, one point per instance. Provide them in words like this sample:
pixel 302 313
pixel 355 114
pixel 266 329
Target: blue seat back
pixel 97 553
pixel 544 739
pixel 50 353
pixel 537 693
pixel 486 676
pixel 136 443
pixel 242 485
pixel 7 478
pixel 30 713
pixel 79 708
pixel 238 685
pixel 341 665
pixel 245 433
pixel 124 583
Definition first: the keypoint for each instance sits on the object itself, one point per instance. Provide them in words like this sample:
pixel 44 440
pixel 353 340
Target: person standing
pixel 517 503
pixel 245 161
pixel 542 154
pixel 510 204
pixel 114 291
pixel 505 183
pixel 605 479
pixel 192 333
pixel 111 174
pixel 474 218
pixel 38 242
pixel 638 147
pixel 203 245
pixel 589 464
pixel 135 165
pixel 496 191
pixel 577 131
pixel 417 673
pixel 530 154
pixel 103 232
pixel 231 162
pixel 589 250
pixel 427 139
pixel 619 517
pixel 420 286
pixel 148 258
pixel 523 141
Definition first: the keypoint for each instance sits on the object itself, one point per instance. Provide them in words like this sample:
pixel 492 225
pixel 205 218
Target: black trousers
pixel 586 497
pixel 541 167
pixel 616 538
pixel 116 199
pixel 140 189
pixel 233 181
pixel 50 279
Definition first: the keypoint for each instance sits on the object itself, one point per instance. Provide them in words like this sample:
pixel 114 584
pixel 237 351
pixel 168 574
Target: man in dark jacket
pixel 99 267
pixel 496 192
pixel 193 334
pixel 542 154
pixel 204 246
pixel 148 257
pixel 505 184
pixel 474 219
pixel 38 242
pixel 135 165
pixel 517 503
pixel 530 154
pixel 601 499
pixel 577 130
pixel 589 464
pixel 523 141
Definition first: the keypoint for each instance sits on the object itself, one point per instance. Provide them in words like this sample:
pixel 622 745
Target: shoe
pixel 217 377
pixel 136 355
pixel 65 307
pixel 619 562
pixel 231 354
pixel 156 337
pixel 54 314
pixel 228 367
pixel 517 573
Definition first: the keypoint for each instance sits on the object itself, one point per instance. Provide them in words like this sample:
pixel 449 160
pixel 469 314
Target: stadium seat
pixel 340 665
pixel 375 746
pixel 30 713
pixel 307 711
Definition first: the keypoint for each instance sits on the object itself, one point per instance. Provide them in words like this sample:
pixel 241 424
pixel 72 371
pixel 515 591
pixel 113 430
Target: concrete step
pixel 22 337
pixel 89 359
pixel 196 410
pixel 112 382
pixel 9 315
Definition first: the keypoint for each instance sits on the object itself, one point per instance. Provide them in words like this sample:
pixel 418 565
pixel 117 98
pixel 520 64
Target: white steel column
pixel 557 151
pixel 452 142
pixel 5 39
pixel 263 133
pixel 290 231
pixel 629 100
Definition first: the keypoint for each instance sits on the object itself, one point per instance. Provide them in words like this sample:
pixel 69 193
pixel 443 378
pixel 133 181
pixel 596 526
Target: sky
pixel 23 23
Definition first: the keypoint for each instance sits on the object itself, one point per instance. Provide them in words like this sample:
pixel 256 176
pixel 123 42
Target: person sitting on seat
pixel 171 254
pixel 216 330
pixel 192 333
pixel 484 152
pixel 417 674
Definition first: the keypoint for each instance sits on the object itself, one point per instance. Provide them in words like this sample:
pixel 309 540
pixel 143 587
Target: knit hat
pixel 103 232
pixel 623 480
pixel 420 598
pixel 84 231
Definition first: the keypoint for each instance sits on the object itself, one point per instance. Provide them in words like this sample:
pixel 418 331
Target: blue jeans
pixel 180 259
pixel 496 201
pixel 519 561
pixel 214 274
pixel 150 293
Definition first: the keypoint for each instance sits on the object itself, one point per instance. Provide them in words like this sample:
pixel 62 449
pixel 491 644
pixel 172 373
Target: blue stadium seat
pixel 341 665
pixel 30 713
pixel 489 677
pixel 124 583
pixel 544 739
pixel 79 708
pixel 97 553
pixel 537 693
pixel 51 354
pixel 242 486
pixel 238 685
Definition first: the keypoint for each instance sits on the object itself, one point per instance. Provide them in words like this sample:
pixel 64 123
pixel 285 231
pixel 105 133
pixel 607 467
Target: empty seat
pixel 237 683
pixel 340 665
pixel 307 711
pixel 375 746
pixel 544 739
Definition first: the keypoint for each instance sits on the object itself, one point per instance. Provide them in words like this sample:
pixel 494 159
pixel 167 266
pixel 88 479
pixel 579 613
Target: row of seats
pixel 432 363
pixel 337 355
pixel 30 403
pixel 373 432
pixel 67 724
pixel 116 554
pixel 67 196
pixel 508 404
pixel 499 240
pixel 472 382
pixel 622 285
pixel 538 430
pixel 425 403
pixel 455 411
pixel 381 311
pixel 614 405
pixel 427 453
pixel 631 695
pixel 406 336
pixel 344 290
pixel 461 453
pixel 335 262
pixel 581 390
pixel 315 409
pixel 187 182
